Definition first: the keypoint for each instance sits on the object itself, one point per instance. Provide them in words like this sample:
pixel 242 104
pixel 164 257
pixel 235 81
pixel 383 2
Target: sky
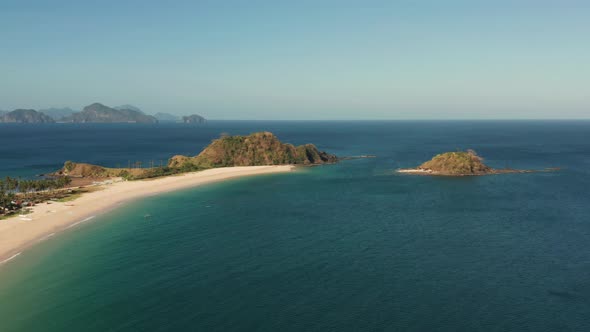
pixel 316 60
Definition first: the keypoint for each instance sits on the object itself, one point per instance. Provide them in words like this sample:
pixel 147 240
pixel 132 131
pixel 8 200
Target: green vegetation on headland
pixel 18 193
pixel 459 163
pixel 79 171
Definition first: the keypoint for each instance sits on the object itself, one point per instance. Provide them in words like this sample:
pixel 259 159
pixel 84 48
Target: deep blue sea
pixel 346 247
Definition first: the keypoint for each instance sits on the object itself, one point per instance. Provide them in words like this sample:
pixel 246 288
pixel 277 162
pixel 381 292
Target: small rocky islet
pixel 459 163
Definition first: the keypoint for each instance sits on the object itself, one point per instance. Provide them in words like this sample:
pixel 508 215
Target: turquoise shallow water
pixel 346 247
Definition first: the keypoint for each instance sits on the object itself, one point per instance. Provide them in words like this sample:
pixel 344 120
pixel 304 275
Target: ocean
pixel 346 247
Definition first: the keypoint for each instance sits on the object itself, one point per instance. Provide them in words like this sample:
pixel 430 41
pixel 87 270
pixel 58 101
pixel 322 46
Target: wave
pixel 81 221
pixel 46 237
pixel 10 258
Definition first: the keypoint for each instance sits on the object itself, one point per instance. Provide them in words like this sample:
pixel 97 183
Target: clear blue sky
pixel 301 59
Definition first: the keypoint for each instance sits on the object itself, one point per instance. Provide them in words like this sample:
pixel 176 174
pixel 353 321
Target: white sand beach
pixel 414 171
pixel 19 232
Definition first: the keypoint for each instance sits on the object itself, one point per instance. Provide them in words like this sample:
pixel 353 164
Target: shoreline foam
pixel 48 219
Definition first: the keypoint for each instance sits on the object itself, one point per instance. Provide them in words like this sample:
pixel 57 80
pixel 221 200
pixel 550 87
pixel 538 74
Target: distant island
pixel 195 118
pixel 25 116
pixel 99 113
pixel 94 113
pixel 459 163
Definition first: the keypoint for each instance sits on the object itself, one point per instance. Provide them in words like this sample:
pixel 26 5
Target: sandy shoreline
pixel 18 233
pixel 414 171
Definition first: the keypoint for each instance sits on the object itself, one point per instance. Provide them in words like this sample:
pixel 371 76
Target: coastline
pixel 46 220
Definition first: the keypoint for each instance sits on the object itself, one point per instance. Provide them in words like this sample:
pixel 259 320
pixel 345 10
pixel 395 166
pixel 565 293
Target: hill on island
pixel 25 116
pixel 457 163
pixel 99 113
pixel 256 149
pixel 84 170
pixel 462 163
pixel 128 107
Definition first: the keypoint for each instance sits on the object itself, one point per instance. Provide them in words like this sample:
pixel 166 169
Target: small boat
pixel 147 216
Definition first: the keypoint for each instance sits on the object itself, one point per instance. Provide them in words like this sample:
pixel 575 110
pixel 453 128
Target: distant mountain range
pixel 95 113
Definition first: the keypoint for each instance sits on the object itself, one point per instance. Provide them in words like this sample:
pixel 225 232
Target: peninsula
pixel 19 232
pixel 257 149
pixel 459 163
pixel 105 188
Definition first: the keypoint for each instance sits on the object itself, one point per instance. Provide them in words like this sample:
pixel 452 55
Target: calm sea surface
pixel 346 247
